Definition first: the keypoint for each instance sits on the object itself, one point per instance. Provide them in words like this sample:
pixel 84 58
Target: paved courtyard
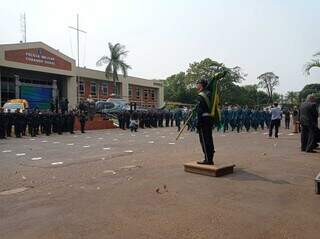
pixel 118 184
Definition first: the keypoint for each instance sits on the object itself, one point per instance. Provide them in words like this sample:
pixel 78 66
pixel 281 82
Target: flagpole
pixel 184 126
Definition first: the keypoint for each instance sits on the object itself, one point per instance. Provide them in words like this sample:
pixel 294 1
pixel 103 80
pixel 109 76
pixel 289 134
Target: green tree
pixel 252 97
pixel 176 89
pixel 268 81
pixel 292 97
pixel 207 68
pixel 315 62
pixel 115 63
pixel 310 89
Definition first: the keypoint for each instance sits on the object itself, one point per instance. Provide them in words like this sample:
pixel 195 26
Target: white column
pixel 72 91
pixel 160 96
pixel 125 90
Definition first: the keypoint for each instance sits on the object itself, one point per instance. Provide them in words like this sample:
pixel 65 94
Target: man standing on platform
pixel 205 121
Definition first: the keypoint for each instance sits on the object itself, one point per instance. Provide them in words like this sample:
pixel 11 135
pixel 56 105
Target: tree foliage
pixel 176 89
pixel 292 98
pixel 315 62
pixel 268 81
pixel 207 68
pixel 181 87
pixel 310 89
pixel 115 63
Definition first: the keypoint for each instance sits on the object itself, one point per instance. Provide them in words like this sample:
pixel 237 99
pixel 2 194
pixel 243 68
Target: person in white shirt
pixel 276 115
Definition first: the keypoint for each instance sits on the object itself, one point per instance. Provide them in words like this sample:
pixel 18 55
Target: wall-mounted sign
pixel 37 56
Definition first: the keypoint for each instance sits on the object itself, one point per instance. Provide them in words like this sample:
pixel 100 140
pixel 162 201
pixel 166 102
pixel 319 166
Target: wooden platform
pixel 209 170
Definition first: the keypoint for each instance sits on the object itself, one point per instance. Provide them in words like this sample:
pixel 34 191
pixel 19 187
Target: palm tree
pixel 314 63
pixel 114 63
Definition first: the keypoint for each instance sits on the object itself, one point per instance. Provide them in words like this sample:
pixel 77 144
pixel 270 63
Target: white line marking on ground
pixel 151 142
pixel 106 148
pixel 109 171
pixel 128 151
pixel 22 154
pixel 56 142
pixel 37 158
pixel 172 143
pixel 32 139
pixel 71 144
pixel 57 163
pixel 44 141
pixel 290 134
pixel 100 138
pixel 86 146
pixel 88 137
pixel 7 151
pixel 13 191
pixel 115 139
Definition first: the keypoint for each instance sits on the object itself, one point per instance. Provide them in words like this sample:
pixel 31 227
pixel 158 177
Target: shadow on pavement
pixel 243 175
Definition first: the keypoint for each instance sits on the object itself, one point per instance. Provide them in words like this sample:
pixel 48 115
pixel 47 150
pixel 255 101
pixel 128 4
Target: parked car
pixel 15 104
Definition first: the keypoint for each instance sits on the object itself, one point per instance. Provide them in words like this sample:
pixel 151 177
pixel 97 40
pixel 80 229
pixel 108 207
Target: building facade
pixel 40 74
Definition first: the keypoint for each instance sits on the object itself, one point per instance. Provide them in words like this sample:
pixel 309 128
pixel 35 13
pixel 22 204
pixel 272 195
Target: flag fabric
pixel 214 101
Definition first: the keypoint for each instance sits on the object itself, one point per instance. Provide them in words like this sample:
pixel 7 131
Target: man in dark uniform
pixel 33 122
pixel 205 122
pixel 82 119
pixel 178 117
pixel 309 123
pixel 10 121
pixel 3 124
pixel 60 122
pixel 18 123
pixel 127 117
pixel 71 120
pixel 46 120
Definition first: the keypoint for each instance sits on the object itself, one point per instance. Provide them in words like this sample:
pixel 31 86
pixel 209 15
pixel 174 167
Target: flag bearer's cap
pixel 203 81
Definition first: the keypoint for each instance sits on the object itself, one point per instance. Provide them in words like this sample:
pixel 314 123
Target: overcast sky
pixel 164 36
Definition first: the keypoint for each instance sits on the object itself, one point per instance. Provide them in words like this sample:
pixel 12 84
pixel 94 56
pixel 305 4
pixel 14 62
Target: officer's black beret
pixel 203 81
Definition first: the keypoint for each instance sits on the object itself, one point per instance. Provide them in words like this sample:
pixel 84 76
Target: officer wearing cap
pixel 205 122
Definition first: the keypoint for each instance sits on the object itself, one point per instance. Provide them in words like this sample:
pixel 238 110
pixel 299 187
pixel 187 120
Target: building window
pixel 104 89
pixel 130 90
pixel 138 92
pixel 93 88
pixel 145 94
pixel 81 87
pixel 152 94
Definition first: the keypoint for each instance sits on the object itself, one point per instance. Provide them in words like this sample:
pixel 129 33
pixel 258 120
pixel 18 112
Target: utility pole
pixel 78 54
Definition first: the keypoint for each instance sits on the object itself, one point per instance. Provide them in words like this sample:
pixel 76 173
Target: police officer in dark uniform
pixel 3 124
pixel 71 120
pixel 60 122
pixel 33 123
pixel 205 122
pixel 10 121
pixel 178 117
pixel 82 119
pixel 127 117
pixel 47 122
pixel 18 123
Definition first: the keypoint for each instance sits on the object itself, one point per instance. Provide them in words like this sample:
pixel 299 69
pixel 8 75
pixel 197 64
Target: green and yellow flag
pixel 214 102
